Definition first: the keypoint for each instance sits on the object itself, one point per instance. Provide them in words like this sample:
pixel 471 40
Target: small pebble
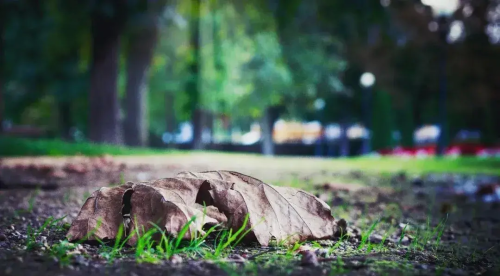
pixel 176 259
pixel 3 237
pixel 238 258
pixel 322 252
pixel 341 228
pixel 80 260
pixel 309 258
pixel 376 238
pixel 405 240
pixel 423 266
pixel 304 248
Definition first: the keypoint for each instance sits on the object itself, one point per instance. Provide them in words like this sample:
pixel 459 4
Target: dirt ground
pixel 397 224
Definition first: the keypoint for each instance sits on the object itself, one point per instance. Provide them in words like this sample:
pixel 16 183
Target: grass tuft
pixel 33 235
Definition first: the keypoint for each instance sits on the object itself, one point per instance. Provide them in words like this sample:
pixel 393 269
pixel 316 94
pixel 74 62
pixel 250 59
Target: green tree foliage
pixel 241 60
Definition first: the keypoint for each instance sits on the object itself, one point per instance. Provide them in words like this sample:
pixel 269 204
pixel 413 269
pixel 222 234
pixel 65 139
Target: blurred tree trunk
pixel 483 55
pixel 266 129
pixel 104 120
pixel 226 125
pixel 193 88
pixel 3 14
pixel 407 126
pixel 209 124
pixel 267 134
pixel 197 121
pixel 344 140
pixel 230 130
pixel 170 118
pixel 344 126
pixel 488 126
pixel 141 44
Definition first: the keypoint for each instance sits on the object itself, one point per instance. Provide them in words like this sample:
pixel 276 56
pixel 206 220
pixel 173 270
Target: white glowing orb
pixel 442 7
pixel 367 79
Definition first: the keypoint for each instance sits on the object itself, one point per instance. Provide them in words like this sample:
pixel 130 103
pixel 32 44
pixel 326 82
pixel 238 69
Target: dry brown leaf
pixel 213 212
pixel 103 208
pixel 168 208
pixel 230 176
pixel 286 214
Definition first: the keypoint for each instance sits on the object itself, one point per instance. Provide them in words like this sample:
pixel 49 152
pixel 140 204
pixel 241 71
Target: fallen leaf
pixel 217 197
pixel 287 214
pixel 168 208
pixel 213 212
pixel 100 215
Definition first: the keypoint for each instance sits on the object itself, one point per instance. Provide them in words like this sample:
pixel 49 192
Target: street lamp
pixel 442 7
pixel 442 11
pixel 319 105
pixel 367 81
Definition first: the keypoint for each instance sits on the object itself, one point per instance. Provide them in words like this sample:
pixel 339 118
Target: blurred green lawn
pixel 10 147
pixel 40 147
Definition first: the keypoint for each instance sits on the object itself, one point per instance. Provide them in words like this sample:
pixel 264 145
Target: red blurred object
pixel 467 149
pixel 404 151
pixel 493 151
pixel 385 151
pixel 455 149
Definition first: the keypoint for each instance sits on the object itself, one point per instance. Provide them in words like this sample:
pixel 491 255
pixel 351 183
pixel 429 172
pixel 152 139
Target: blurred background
pixel 279 77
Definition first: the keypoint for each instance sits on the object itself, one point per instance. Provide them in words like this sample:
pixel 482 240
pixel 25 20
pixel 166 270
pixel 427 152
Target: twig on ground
pixel 262 253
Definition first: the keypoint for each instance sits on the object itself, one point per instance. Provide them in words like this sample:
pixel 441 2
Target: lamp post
pixel 442 10
pixel 319 105
pixel 367 81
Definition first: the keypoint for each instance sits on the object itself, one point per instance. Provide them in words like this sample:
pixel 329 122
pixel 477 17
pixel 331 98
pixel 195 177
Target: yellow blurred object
pixel 293 131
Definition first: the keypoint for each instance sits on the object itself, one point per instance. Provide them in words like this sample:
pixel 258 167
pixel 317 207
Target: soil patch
pixel 396 224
